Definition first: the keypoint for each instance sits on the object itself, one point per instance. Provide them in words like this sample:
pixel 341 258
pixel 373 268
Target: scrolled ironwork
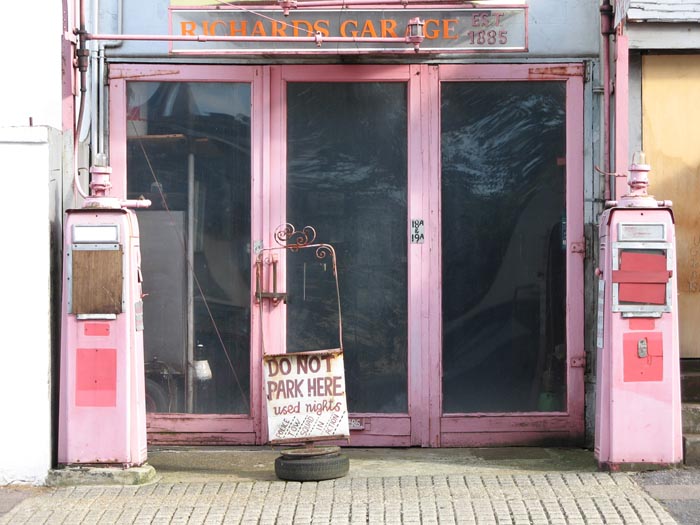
pixel 324 250
pixel 287 236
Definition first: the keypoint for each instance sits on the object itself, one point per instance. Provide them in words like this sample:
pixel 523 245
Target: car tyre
pixel 315 468
pixel 157 399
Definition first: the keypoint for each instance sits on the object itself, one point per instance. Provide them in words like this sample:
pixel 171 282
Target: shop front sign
pixel 448 30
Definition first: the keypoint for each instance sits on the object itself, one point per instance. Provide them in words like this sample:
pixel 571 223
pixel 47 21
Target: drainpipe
pixel 606 30
pixel 82 59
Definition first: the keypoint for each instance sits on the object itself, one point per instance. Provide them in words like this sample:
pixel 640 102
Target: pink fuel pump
pixel 638 405
pixel 102 418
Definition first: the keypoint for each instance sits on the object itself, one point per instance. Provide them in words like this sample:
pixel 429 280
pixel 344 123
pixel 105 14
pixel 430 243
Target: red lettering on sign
pixel 302 27
pixel 368 30
pixel 294 408
pixel 210 28
pixel 285 366
pixel 431 34
pixel 480 20
pixel 448 28
pixel 278 29
pixel 187 28
pixel 258 29
pixel 324 386
pixel 388 28
pixel 233 31
pixel 314 364
pixel 344 26
pixel 284 388
pixel 323 27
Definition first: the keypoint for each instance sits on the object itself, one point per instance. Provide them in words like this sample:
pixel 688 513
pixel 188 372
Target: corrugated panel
pixel 664 11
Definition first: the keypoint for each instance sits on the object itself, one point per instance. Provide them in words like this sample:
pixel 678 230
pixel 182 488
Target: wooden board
pixel 671 120
pixel 97 281
pixel 662 10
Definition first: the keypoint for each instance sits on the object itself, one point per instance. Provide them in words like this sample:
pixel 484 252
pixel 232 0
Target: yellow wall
pixel 671 141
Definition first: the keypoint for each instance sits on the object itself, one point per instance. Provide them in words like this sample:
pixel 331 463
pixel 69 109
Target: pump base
pixel 606 466
pixel 85 475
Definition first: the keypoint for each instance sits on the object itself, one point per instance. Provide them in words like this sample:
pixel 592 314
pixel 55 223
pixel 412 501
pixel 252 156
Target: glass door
pixel 453 195
pixel 187 141
pixel 511 218
pixel 345 170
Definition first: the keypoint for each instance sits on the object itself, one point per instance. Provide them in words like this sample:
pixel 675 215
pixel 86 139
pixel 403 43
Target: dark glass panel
pixel 503 246
pixel 347 177
pixel 192 142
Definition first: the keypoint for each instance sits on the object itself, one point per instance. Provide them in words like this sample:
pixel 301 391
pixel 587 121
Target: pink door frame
pixel 532 427
pixel 199 428
pixel 424 425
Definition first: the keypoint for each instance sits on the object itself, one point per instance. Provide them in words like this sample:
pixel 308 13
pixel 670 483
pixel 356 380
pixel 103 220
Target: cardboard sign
pixel 305 394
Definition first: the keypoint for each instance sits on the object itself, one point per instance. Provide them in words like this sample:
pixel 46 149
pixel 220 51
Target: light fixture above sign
pixel 414 32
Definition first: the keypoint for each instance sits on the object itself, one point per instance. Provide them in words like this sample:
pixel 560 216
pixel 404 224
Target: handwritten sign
pixel 305 394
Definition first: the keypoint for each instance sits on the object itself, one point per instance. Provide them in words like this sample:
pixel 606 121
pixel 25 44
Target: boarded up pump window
pixel 97 281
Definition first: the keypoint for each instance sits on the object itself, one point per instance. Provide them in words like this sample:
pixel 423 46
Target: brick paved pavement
pixel 527 498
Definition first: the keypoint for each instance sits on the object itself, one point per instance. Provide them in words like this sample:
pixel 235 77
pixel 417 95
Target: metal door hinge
pixel 579 247
pixel 578 362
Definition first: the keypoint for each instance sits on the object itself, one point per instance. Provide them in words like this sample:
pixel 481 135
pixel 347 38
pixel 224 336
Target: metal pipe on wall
pixel 82 55
pixel 606 29
pixel 190 376
pixel 101 109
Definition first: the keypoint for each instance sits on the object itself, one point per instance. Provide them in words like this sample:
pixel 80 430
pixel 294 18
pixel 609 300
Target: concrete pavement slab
pixel 256 463
pixel 533 498
pixel 237 485
pixel 678 490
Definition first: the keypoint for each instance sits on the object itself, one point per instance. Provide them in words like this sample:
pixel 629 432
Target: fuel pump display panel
pixel 641 274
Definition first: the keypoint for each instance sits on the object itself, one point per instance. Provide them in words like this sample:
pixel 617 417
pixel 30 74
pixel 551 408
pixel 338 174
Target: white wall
pixel 30 163
pixel 31 170
pixel 31 63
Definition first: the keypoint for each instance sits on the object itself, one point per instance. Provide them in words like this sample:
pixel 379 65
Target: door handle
pixel 274 296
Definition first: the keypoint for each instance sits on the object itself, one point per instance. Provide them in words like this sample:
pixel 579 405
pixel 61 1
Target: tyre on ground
pixel 316 468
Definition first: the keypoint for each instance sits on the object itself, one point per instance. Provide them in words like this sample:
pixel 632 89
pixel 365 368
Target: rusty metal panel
pixel 97 281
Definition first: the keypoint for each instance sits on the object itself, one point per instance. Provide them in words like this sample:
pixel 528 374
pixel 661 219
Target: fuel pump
pixel 638 406
pixel 102 415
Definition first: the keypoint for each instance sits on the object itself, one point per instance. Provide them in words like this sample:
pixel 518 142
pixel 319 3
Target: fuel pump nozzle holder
pixel 100 187
pixel 638 182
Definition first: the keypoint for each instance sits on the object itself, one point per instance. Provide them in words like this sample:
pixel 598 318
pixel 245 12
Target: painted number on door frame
pixel 417 231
